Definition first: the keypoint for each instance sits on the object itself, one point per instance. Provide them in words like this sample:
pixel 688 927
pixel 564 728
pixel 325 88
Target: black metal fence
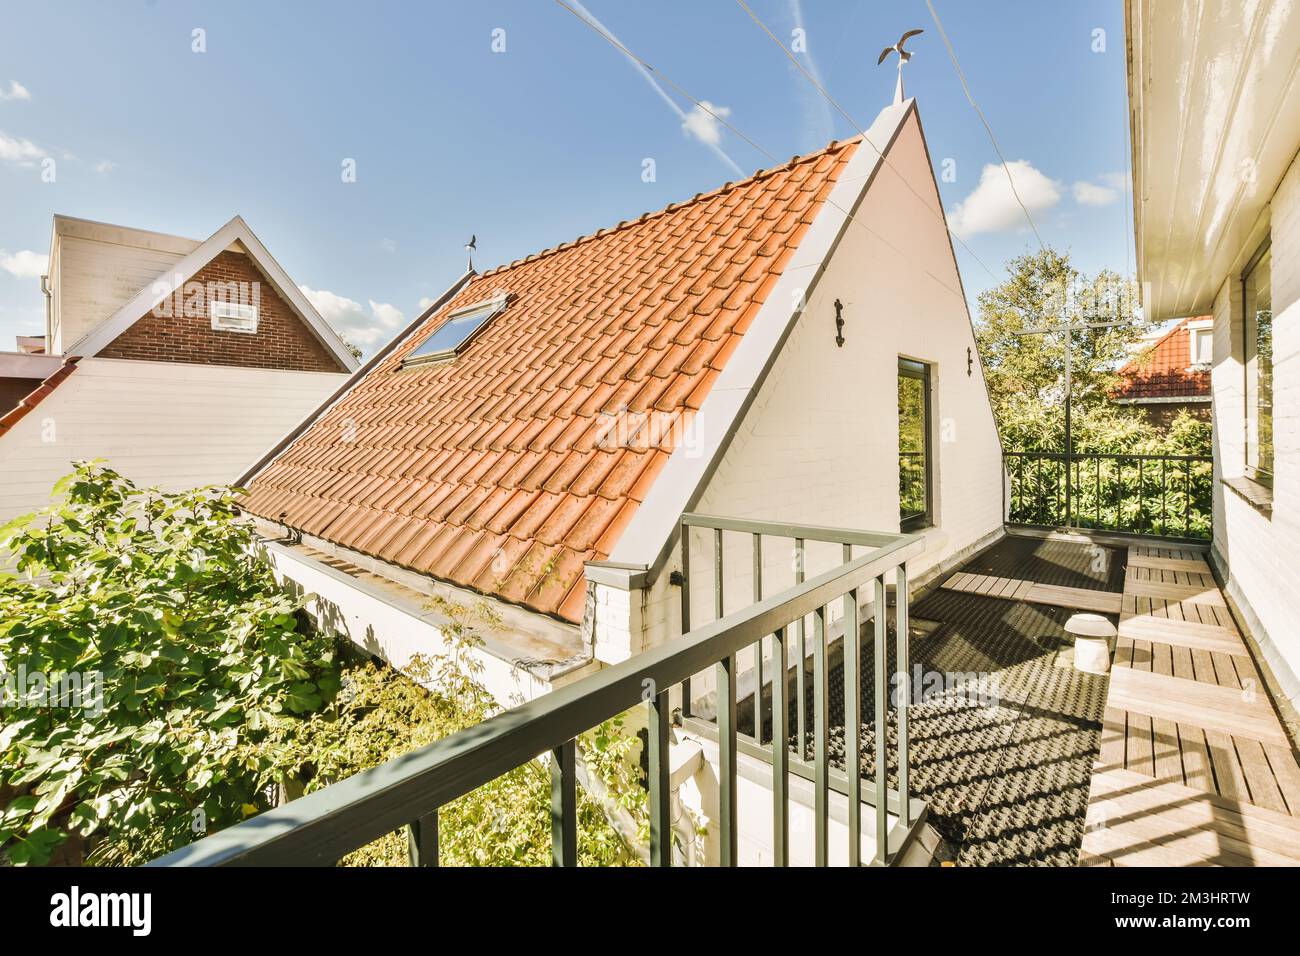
pixel 1159 495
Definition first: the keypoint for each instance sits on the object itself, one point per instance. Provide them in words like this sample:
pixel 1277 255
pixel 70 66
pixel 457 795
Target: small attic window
pixel 233 317
pixel 458 331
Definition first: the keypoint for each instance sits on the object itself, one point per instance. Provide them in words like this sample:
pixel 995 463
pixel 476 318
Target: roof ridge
pixel 834 146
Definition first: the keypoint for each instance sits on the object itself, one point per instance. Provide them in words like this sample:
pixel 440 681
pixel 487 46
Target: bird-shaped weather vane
pixel 469 253
pixel 903 57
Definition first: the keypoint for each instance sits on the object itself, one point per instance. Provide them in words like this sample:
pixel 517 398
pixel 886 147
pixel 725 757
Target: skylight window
pixel 453 335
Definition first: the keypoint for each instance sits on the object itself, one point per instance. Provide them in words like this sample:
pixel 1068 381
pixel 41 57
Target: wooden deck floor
pixel 1195 768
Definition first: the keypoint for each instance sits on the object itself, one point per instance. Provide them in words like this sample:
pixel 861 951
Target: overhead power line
pixel 866 139
pixel 952 55
pixel 681 90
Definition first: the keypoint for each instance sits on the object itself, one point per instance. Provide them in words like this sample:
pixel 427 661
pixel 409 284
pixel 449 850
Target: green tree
pixel 1026 373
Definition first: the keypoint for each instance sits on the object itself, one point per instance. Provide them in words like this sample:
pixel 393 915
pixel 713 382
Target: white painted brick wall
pixel 819 445
pixel 1262 553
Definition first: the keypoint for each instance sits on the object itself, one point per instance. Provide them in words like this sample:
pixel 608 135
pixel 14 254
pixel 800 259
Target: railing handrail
pixel 1105 454
pixel 780 529
pixel 322 826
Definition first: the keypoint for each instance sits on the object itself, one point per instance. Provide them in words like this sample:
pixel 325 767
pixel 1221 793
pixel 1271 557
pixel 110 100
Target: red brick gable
pixel 1166 371
pixel 184 333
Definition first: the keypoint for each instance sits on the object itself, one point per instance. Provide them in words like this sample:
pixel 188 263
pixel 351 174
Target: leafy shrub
pixel 146 654
pixel 381 714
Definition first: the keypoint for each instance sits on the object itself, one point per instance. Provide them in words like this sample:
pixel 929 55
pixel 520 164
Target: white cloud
pixel 16 92
pixel 1090 194
pixel 702 122
pixel 389 316
pixel 425 302
pixel 25 264
pixel 105 166
pixel 1115 180
pixel 388 245
pixel 22 151
pixel 350 319
pixel 992 206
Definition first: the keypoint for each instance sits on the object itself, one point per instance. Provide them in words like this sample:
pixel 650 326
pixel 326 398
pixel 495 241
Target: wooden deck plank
pixel 1203 705
pixel 1264 791
pixel 1135 821
pixel 1198 772
pixel 1187 593
pixel 1104 602
pixel 1210 637
pixel 1229 781
pixel 1287 774
pixel 1113 731
pixel 1194 565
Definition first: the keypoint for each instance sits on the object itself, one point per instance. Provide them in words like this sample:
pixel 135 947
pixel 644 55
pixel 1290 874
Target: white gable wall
pixel 819 445
pixel 166 424
pixel 1258 554
pixel 97 268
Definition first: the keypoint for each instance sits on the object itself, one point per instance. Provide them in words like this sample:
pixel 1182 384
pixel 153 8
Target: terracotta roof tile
pixel 1166 370
pixel 508 467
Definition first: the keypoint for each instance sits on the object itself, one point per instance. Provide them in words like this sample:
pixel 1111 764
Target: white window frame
pixel 1195 331
pixel 233 317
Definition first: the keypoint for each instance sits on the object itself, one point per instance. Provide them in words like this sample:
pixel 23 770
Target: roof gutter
pixel 351 382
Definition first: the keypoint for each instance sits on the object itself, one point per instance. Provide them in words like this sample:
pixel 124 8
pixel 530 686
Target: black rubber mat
pixel 1064 563
pixel 1002 737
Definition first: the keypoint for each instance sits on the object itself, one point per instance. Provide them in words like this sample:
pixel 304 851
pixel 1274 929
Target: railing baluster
pixel 881 728
pixel 801 693
pixel 422 840
pixel 686 609
pixel 853 719
pixel 1097 491
pixel 902 667
pixel 758 645
pixel 1141 512
pixel 1187 505
pixel 661 832
pixel 564 804
pixel 780 750
pixel 821 740
pixel 1164 492
pixel 727 830
pixel 717 574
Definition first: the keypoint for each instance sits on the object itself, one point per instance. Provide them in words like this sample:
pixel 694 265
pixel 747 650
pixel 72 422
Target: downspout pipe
pixel 49 312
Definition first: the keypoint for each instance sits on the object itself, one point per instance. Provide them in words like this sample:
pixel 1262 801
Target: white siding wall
pixel 1261 553
pixel 95 278
pixel 171 425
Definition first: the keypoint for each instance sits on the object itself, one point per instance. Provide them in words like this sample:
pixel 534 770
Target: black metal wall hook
pixel 839 323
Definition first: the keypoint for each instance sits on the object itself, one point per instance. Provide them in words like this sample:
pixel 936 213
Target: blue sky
pixel 526 147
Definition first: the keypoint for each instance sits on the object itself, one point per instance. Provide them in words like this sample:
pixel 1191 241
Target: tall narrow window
pixel 914 458
pixel 1259 367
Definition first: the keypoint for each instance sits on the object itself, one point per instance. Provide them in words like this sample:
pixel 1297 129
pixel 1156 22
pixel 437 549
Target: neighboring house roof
pixel 174 279
pixel 508 468
pixel 12 416
pixel 1165 371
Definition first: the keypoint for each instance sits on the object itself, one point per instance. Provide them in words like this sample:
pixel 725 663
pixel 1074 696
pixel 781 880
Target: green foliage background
pixel 1026 377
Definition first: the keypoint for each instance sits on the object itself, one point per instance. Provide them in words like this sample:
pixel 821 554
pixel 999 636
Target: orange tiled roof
pixel 1166 371
pixel 508 468
pixel 16 414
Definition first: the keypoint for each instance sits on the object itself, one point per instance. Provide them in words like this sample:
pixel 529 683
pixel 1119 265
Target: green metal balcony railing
pixel 406 793
pixel 1160 495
